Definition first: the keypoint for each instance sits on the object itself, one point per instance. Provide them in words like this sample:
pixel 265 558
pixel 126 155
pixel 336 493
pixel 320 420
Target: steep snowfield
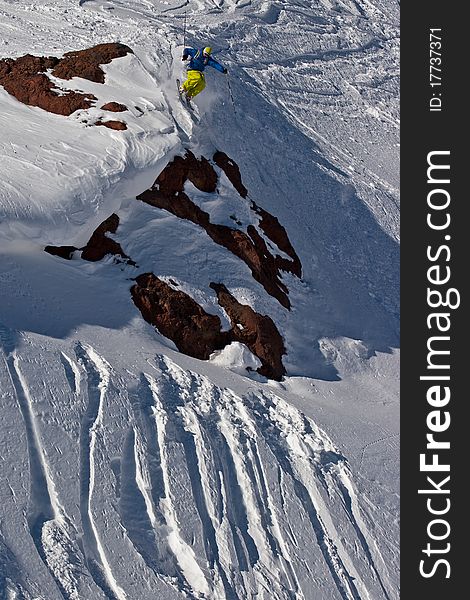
pixel 132 471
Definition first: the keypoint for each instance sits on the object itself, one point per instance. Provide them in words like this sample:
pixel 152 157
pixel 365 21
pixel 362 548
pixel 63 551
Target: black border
pixel 423 131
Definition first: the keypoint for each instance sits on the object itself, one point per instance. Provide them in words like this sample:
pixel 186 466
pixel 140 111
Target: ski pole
pixel 184 29
pixel 231 95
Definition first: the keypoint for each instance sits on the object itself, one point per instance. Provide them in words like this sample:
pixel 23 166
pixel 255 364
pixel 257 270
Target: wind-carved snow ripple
pixel 236 458
pixel 98 375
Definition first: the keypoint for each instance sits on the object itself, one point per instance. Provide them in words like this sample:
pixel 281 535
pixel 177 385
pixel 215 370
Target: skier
pixel 200 59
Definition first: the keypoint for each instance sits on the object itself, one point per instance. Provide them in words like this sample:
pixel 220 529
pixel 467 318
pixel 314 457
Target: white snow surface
pixel 129 470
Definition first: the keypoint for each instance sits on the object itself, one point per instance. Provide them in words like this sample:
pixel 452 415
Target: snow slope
pixel 134 471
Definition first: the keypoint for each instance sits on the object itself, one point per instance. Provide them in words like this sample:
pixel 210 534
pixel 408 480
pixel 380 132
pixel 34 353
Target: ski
pixel 187 103
pixel 184 99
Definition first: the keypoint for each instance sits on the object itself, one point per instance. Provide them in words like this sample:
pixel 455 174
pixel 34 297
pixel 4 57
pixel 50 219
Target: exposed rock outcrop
pixel 114 107
pixel 199 172
pixel 277 234
pixel 196 333
pixel 269 224
pixel 231 169
pixel 178 317
pixel 98 246
pixel 167 193
pixel 174 313
pixel 256 331
pixel 62 251
pixel 116 125
pixel 27 80
pixel 87 63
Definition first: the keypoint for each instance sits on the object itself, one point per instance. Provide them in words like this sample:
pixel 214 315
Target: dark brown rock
pixel 98 246
pixel 196 333
pixel 116 125
pixel 178 317
pixel 26 77
pixel 231 169
pixel 114 107
pixel 258 332
pixel 277 234
pixel 26 80
pixel 62 251
pixel 199 172
pixel 202 174
pixel 252 250
pixel 180 205
pixel 86 63
pixel 167 193
pixel 269 224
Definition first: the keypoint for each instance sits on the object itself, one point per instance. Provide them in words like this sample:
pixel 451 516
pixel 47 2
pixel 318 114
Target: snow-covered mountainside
pixel 199 309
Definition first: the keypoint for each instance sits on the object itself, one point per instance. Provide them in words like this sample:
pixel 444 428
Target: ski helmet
pixel 207 51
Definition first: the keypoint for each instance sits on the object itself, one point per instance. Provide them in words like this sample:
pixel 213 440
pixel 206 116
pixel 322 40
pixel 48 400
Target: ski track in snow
pixel 145 511
pixel 98 374
pixel 72 373
pixel 46 521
